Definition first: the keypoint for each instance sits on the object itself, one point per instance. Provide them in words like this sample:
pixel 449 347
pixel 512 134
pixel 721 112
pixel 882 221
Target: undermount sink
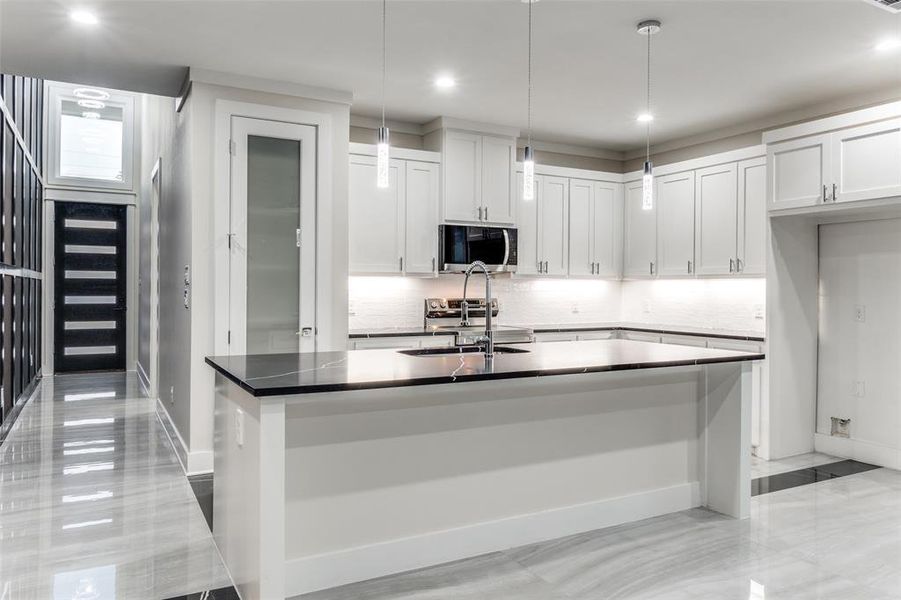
pixel 460 350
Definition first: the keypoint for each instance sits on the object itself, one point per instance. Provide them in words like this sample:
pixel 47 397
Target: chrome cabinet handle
pixel 689 266
pixel 433 263
pixel 824 192
pixel 545 266
pixel 834 193
pixel 486 213
pixel 652 267
pixel 480 213
pixel 732 265
pixel 739 266
pixel 401 260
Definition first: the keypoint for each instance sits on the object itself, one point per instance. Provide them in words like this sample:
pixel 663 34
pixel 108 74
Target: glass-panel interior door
pixel 272 243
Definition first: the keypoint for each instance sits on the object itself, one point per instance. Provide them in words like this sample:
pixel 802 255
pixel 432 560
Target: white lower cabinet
pixel 676 224
pixel 640 245
pixel 716 228
pixel 393 230
pixel 401 342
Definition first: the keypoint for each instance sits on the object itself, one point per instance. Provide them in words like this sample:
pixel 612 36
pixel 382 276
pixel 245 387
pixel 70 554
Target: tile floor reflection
pixel 93 502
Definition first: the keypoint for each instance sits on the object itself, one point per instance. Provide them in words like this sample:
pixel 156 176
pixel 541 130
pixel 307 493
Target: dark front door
pixel 89 287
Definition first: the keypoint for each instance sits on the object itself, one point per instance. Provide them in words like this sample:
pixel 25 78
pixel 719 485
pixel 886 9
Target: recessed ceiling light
pixel 84 17
pixel 888 44
pixel 645 118
pixel 90 94
pixel 445 82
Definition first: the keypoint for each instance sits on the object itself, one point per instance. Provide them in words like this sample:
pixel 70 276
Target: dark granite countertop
pixel 752 336
pixel 307 373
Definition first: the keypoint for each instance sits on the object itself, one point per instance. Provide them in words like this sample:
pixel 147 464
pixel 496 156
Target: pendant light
pixel 382 147
pixel 528 162
pixel 648 28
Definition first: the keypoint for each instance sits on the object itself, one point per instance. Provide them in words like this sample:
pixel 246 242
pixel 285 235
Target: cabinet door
pixel 607 221
pixel 799 171
pixel 752 220
pixel 421 242
pixel 640 241
pixel 581 227
pixel 552 224
pixel 527 229
pixel 676 224
pixel 462 176
pixel 867 162
pixel 498 159
pixel 716 228
pixel 375 217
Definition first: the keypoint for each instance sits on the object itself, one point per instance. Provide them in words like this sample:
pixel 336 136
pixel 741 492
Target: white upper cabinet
pixel 676 224
pixel 607 234
pixel 478 178
pixel 462 176
pixel 595 226
pixel 498 161
pixel 752 219
pixel 421 224
pixel 716 229
pixel 582 202
pixel 799 172
pixel 552 231
pixel 866 162
pixel 848 165
pixel 640 247
pixel 393 230
pixel 376 217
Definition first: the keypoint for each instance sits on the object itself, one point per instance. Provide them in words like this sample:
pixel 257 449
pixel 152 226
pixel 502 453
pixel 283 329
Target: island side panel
pixel 382 481
pixel 249 489
pixel 726 438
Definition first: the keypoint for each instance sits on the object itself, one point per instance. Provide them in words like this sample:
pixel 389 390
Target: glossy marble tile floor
pixel 762 468
pixel 94 502
pixel 837 539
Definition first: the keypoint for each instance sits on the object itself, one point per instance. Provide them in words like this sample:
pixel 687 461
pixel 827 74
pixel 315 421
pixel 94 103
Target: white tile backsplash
pixel 731 304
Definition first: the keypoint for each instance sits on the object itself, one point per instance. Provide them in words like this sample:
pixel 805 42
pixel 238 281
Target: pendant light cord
pixel 529 104
pixel 384 55
pixel 648 124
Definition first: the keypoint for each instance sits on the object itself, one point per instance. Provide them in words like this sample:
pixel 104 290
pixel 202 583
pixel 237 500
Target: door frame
pixel 224 111
pixel 151 379
pixel 51 196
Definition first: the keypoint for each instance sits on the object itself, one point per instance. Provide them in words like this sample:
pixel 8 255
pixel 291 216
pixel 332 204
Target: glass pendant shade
pixel 647 187
pixel 528 174
pixel 382 159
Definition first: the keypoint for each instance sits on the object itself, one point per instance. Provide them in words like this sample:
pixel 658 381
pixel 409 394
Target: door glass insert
pixel 273 258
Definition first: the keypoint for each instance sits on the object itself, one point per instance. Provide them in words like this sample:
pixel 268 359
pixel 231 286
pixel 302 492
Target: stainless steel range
pixel 447 314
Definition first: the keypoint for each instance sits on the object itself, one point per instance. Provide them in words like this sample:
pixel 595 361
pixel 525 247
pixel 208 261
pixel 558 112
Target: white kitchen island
pixel 337 467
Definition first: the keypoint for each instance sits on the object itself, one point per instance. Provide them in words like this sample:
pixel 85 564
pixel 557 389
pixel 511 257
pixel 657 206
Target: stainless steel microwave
pixel 461 245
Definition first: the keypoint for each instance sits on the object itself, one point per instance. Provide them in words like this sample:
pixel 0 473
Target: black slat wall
pixel 21 209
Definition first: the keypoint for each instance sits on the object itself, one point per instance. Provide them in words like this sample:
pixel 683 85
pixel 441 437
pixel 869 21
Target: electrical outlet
pixel 758 311
pixel 239 427
pixel 860 313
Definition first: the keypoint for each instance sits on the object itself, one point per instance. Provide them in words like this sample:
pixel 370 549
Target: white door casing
pixel 241 129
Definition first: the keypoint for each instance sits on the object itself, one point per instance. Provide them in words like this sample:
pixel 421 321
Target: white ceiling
pixel 718 64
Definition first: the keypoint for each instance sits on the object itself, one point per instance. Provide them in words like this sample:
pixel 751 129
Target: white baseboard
pixel 143 379
pixel 193 463
pixel 868 452
pixel 321 571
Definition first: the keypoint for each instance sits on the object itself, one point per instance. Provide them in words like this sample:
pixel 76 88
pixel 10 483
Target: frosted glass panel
pixel 273 259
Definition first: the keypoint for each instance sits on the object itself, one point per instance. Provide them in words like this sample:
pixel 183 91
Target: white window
pixel 91 137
